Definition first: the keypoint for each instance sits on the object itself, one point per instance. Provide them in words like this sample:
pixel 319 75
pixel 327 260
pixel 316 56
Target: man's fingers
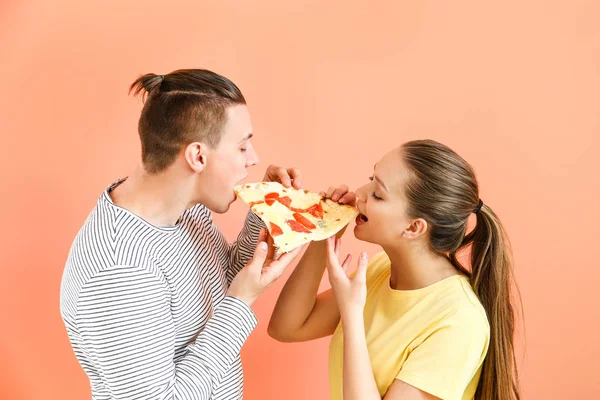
pixel 258 260
pixel 277 267
pixel 296 177
pixel 290 255
pixel 278 174
pixel 262 236
pixel 270 243
pixel 284 177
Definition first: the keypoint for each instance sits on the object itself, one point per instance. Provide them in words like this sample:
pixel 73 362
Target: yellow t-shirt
pixel 434 338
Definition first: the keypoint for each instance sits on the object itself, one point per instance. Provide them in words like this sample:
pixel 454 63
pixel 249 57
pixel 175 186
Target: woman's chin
pixel 359 233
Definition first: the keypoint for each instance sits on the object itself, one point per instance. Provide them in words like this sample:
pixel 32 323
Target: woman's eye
pixel 376 197
pixel 243 150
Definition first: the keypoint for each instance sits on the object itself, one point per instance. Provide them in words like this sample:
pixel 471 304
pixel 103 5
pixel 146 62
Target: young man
pixel 155 301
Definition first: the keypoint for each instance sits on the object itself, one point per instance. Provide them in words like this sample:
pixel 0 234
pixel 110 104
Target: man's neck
pixel 160 199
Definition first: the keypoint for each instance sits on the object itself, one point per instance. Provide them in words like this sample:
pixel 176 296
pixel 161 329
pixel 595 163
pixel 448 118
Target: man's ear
pixel 195 155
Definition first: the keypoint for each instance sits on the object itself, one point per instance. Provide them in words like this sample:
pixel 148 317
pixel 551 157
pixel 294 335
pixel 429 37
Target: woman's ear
pixel 417 228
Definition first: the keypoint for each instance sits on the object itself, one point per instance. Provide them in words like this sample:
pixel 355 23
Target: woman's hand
pixel 342 195
pixel 350 293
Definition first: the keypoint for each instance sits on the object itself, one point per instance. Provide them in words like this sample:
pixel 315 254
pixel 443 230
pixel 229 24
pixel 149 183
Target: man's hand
pixel 260 272
pixel 286 176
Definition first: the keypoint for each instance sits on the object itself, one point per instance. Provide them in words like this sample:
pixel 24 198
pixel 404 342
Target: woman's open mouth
pixel 361 219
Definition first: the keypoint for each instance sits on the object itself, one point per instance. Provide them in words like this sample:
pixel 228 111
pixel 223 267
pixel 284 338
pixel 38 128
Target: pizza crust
pixel 335 216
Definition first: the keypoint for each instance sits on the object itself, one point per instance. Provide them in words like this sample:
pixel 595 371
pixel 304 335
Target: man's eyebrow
pixel 247 137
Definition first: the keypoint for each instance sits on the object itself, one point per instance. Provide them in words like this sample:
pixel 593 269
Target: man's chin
pixel 223 207
pixel 219 209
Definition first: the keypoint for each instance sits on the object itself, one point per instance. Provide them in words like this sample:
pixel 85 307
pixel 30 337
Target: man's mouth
pixel 236 184
pixel 240 181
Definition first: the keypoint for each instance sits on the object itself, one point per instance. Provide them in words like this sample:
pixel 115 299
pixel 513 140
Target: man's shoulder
pixel 98 224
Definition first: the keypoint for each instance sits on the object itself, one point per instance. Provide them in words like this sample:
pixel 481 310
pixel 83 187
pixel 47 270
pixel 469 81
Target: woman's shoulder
pixel 464 307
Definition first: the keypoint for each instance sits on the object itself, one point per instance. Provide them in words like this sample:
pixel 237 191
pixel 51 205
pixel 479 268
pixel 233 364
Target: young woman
pixel 415 323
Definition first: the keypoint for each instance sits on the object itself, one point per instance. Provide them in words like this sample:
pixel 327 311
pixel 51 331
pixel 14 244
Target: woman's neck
pixel 414 266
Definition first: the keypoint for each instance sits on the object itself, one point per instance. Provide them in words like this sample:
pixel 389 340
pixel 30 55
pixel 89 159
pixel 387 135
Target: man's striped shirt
pixel 145 307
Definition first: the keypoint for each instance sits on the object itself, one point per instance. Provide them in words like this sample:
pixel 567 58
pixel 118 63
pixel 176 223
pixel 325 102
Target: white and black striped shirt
pixel 146 308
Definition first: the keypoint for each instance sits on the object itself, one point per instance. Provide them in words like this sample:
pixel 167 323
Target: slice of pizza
pixel 295 217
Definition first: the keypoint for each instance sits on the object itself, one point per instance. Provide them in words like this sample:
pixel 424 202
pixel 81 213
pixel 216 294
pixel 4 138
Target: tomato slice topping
pixel 286 201
pixel 270 198
pixel 275 230
pixel 296 226
pixel 316 211
pixel 304 221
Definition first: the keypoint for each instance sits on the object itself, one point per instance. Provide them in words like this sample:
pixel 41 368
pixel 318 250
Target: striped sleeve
pixel 242 250
pixel 124 317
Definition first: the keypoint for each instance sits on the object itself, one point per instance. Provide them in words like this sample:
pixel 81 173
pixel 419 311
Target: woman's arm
pixel 351 294
pixel 300 313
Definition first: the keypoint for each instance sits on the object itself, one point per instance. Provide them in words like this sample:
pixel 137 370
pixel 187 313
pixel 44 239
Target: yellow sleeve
pixel 447 360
